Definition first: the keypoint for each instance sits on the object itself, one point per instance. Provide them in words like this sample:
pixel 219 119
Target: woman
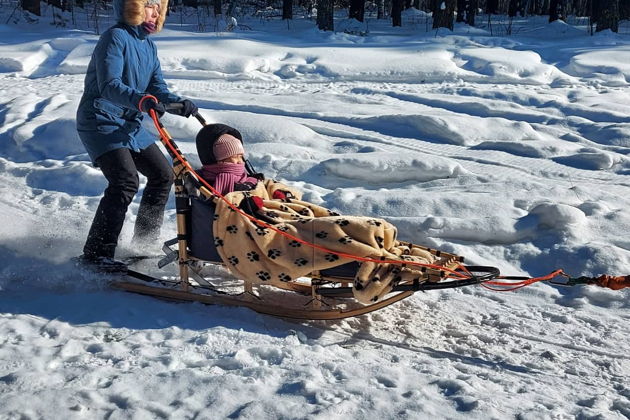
pixel 123 71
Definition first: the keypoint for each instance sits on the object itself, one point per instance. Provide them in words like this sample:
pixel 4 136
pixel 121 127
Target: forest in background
pixel 596 15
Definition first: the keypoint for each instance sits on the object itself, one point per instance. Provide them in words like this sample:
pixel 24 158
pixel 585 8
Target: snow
pixel 511 151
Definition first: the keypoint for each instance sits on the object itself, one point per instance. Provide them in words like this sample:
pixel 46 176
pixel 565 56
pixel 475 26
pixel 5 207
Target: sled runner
pixel 329 293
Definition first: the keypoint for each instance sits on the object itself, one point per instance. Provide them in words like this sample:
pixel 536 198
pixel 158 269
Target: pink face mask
pixel 149 27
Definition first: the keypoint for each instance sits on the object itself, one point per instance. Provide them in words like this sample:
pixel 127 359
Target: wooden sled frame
pixel 320 298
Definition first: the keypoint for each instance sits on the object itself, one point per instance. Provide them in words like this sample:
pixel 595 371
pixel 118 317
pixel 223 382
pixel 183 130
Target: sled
pixel 322 295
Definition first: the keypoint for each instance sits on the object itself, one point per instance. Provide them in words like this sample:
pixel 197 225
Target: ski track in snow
pixel 523 168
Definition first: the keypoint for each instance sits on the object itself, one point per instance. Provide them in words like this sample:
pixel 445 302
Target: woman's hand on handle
pixel 149 102
pixel 185 108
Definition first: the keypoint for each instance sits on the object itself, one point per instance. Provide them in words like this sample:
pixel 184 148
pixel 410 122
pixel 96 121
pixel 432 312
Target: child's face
pixel 234 159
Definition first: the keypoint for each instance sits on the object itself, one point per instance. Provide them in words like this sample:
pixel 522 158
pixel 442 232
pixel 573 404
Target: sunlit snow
pixel 511 151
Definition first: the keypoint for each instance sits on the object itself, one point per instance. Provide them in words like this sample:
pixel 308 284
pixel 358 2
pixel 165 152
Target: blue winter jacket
pixel 124 67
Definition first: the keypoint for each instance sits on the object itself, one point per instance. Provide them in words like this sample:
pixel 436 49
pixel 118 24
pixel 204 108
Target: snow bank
pixel 611 67
pixel 26 58
pixel 382 168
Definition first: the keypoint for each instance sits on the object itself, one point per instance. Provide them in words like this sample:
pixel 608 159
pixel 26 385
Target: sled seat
pixel 201 240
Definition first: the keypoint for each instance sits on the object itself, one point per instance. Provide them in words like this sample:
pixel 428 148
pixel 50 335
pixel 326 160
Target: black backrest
pixel 201 239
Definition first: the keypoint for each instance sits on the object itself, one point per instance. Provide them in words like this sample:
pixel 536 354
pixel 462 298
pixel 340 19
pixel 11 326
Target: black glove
pixel 150 104
pixel 187 109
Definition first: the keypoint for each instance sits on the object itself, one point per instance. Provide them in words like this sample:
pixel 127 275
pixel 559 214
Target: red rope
pixel 166 141
pixel 502 285
pixel 508 286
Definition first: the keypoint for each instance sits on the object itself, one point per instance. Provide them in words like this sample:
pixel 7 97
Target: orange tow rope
pixel 508 284
pixel 606 281
pixel 613 282
pixel 166 141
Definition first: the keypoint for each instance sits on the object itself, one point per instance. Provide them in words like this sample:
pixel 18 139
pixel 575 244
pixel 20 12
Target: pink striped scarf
pixel 223 176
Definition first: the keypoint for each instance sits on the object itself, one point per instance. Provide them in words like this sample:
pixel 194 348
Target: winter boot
pixel 100 264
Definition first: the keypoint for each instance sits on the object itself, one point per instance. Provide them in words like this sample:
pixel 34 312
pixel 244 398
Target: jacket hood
pixel 207 136
pixel 131 12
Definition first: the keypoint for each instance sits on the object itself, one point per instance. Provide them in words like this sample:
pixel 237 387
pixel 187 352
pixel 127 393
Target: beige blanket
pixel 262 255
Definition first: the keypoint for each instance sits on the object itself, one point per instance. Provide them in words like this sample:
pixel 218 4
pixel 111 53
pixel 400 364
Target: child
pixel 220 149
pixel 254 251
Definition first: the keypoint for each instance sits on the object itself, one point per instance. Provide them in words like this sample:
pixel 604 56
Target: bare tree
pixel 514 7
pixel 397 6
pixel 492 7
pixel 287 9
pixel 218 7
pixel 443 14
pixel 32 6
pixel 556 12
pixel 466 10
pixel 607 14
pixel 357 10
pixel 471 12
pixel 461 10
pixel 325 12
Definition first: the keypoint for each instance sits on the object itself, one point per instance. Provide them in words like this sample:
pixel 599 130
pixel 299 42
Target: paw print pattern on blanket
pixel 274 253
pixel 273 257
pixel 300 262
pixel 263 275
pixel 345 240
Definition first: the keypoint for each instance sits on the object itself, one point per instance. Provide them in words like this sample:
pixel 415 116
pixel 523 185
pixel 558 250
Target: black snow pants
pixel 121 167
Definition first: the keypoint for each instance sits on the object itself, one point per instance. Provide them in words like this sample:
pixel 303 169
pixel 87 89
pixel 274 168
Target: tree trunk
pixel 325 11
pixel 357 10
pixel 466 10
pixel 624 9
pixel 513 8
pixel 471 12
pixel 492 7
pixel 443 16
pixel 461 10
pixel 397 6
pixel 287 9
pixel 555 10
pixel 380 9
pixel 608 16
pixel 32 6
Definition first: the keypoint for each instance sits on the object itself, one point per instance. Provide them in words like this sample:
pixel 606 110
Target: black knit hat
pixel 206 138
